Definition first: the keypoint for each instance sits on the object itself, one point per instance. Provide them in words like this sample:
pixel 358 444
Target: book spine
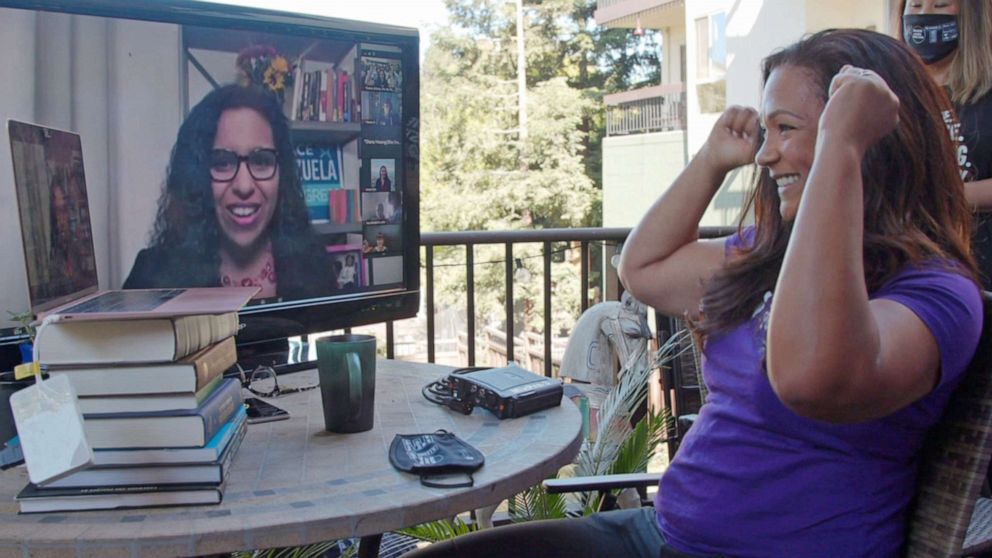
pixel 315 95
pixel 332 94
pixel 342 81
pixel 198 332
pixel 297 90
pixel 323 96
pixel 34 491
pixel 208 389
pixel 215 362
pixel 231 450
pixel 305 99
pixel 347 98
pixel 220 407
pixel 180 338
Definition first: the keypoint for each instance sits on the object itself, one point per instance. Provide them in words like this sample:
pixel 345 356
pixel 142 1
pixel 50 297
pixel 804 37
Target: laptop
pixel 54 214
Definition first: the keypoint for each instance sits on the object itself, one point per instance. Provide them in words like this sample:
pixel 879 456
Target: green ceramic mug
pixel 346 366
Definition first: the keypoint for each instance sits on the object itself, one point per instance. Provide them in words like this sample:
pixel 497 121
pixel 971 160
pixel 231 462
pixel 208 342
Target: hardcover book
pixel 131 341
pixel 166 429
pixel 146 403
pixel 161 456
pixel 156 474
pixel 33 499
pixel 184 377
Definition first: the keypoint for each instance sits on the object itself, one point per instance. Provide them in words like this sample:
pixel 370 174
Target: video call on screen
pixel 345 108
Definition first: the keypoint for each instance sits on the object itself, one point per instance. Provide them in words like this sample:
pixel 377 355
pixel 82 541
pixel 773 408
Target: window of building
pixel 711 62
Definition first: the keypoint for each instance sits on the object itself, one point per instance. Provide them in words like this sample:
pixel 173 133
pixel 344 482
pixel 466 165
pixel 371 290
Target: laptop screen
pixel 54 214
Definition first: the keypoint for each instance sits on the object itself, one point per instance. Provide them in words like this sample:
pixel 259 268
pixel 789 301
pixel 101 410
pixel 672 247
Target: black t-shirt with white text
pixel 972 130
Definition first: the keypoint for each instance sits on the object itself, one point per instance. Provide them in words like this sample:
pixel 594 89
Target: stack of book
pixel 163 422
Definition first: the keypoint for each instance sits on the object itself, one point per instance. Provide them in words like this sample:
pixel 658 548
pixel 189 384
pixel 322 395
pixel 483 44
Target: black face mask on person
pixel 932 36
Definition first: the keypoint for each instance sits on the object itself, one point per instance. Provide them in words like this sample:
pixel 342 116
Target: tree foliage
pixel 480 171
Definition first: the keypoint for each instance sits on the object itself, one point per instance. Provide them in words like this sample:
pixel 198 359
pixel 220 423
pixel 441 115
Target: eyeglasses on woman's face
pixel 262 164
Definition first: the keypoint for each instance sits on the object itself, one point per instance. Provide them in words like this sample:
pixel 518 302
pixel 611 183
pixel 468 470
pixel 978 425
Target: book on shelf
pixel 297 90
pixel 313 100
pixel 165 429
pixel 343 206
pixel 322 98
pixel 343 96
pixel 184 377
pixel 33 499
pixel 147 402
pixel 158 474
pixel 332 94
pixel 209 453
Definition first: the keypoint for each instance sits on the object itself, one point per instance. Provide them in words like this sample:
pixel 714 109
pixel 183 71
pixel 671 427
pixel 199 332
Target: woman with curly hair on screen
pixel 233 212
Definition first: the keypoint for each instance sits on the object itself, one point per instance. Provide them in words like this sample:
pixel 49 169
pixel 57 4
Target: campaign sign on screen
pixel 320 172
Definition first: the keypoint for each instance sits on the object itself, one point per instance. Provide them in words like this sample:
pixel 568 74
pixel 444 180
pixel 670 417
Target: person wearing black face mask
pixel 954 39
pixel 933 36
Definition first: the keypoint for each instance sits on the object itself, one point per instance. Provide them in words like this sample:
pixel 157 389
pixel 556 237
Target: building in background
pixel 711 57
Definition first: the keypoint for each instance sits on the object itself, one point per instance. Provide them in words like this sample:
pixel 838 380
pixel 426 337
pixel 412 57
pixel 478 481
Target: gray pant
pixel 620 533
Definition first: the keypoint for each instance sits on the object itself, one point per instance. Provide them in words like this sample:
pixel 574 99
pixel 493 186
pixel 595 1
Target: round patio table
pixel 292 483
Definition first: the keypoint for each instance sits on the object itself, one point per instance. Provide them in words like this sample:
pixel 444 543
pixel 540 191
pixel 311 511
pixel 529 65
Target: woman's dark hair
pixel 186 222
pixel 914 205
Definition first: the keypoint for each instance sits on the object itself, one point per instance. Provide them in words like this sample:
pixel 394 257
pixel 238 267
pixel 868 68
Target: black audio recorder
pixel 507 392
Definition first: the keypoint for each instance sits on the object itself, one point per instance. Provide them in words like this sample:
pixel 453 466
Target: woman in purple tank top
pixel 835 327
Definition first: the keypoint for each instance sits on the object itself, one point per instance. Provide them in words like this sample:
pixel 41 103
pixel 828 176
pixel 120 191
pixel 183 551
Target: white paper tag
pixel 50 427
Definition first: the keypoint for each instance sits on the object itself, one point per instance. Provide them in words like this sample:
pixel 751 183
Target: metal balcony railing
pixel 586 239
pixel 660 112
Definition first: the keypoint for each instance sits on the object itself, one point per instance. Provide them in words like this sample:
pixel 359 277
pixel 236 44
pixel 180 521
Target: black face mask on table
pixel 932 36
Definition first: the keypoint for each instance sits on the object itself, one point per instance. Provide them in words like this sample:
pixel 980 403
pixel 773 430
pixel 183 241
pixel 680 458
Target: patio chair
pixel 682 388
pixel 948 517
pixel 955 464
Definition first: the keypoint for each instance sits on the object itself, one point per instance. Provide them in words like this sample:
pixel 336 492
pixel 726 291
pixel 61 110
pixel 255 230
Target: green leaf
pixel 535 504
pixel 308 551
pixel 642 443
pixel 439 530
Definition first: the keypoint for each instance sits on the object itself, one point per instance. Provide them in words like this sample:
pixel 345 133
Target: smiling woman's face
pixel 244 206
pixel 790 114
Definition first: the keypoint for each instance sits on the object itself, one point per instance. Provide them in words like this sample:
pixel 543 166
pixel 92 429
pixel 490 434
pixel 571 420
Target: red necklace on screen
pixel 260 273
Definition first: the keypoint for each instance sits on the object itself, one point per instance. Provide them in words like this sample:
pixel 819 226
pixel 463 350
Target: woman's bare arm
pixel 664 263
pixel 979 194
pixel 833 354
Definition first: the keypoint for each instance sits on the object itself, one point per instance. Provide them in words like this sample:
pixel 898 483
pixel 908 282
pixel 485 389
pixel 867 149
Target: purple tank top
pixel 752 478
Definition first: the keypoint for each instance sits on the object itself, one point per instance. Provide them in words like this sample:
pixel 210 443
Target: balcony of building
pixel 647 14
pixel 657 108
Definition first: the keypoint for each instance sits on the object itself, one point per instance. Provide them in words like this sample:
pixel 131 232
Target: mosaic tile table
pixel 292 483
